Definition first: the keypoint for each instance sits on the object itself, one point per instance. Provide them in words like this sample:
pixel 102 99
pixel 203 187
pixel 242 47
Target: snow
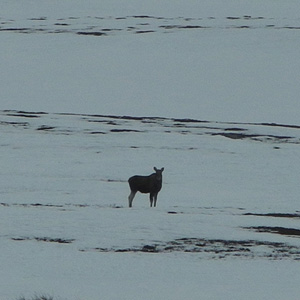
pixel 81 113
pixel 216 73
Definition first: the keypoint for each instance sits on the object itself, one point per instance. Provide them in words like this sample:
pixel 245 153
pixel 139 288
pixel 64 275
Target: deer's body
pixel 146 184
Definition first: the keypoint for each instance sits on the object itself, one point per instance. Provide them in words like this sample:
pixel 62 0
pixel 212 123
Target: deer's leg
pixel 151 199
pixel 155 199
pixel 130 198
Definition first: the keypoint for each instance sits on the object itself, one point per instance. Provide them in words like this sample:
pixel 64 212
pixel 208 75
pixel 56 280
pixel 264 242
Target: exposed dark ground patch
pixel 113 180
pixel 234 129
pixel 38 297
pixel 45 128
pixel 124 130
pixel 65 206
pixel 255 137
pixel 96 132
pixel 278 230
pixel 99 26
pixel 63 123
pixel 26 114
pixel 45 239
pixel 15 124
pixel 275 215
pixel 204 247
pixel 144 31
pixel 94 33
pixel 215 249
pixel 31 205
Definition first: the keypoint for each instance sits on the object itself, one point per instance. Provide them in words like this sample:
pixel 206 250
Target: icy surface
pixel 93 93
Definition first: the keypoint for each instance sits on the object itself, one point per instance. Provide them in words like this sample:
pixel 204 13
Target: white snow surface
pixel 95 92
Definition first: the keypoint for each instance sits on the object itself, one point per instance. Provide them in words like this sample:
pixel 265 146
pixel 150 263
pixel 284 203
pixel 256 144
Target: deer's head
pixel 158 173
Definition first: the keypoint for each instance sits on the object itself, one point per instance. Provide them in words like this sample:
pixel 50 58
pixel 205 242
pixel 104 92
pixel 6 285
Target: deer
pixel 146 184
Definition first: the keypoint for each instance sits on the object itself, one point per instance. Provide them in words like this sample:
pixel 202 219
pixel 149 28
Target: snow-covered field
pixel 93 93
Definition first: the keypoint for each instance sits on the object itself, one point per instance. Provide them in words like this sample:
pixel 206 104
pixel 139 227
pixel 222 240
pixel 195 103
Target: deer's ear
pixel 162 169
pixel 155 169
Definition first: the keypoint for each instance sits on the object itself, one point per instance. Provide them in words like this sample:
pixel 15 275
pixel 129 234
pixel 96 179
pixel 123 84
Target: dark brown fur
pixel 146 184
